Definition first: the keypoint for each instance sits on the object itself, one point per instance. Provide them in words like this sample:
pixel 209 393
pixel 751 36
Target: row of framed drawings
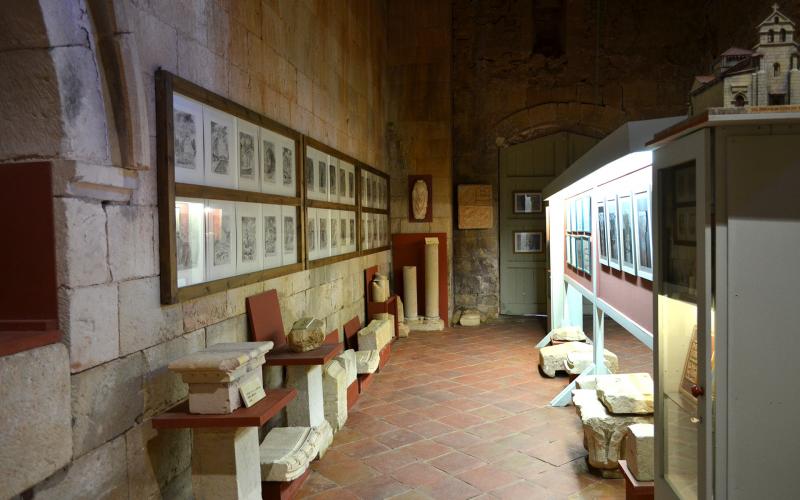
pixel 214 148
pixel 219 239
pixel 579 252
pixel 625 239
pixel 579 215
pixel 330 232
pixel 329 178
pixel 374 190
pixel 375 231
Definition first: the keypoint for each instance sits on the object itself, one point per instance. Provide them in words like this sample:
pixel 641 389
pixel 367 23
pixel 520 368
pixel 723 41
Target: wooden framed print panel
pixel 188 140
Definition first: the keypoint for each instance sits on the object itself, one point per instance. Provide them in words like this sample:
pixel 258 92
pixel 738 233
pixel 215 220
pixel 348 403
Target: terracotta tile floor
pixel 463 414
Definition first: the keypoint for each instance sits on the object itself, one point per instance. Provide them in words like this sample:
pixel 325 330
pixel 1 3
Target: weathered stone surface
pixel 106 400
pixel 568 334
pixel 367 361
pixel 604 433
pixel 287 451
pixel 90 322
pixel 577 361
pixel 237 297
pixel 552 357
pixel 403 330
pixel 230 330
pixel 334 393
pixel 348 361
pixel 99 474
pixel 639 451
pixel 307 334
pixel 307 409
pixel 155 459
pixel 326 439
pixel 35 411
pixel 81 238
pixel 375 336
pixel 204 311
pixel 164 388
pixel 143 321
pixel 225 464
pixel 626 393
pixel 131 241
pixel 470 317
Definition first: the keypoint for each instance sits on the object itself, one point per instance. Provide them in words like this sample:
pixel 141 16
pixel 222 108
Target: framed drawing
pixel 352 230
pixel 581 222
pixel 626 224
pixel 190 244
pixel 288 168
pixel 247 155
pixel 342 183
pixel 290 226
pixel 587 254
pixel 322 178
pixel 324 244
pixel 527 202
pixel 187 127
pixel 312 232
pixel 350 171
pixel 420 198
pixel 269 160
pixel 310 170
pixel 334 232
pixel 643 235
pixel 587 214
pixel 613 234
pixel 686 225
pixel 220 239
pixel 250 233
pixel 578 244
pixel 568 249
pixel 333 177
pixel 219 146
pixel 528 242
pixel 271 216
pixel 602 240
pixel 343 241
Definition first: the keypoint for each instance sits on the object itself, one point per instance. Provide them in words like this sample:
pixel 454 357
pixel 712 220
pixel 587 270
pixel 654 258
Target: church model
pixel 768 75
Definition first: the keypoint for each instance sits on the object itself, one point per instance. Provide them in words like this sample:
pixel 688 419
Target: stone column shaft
pixel 410 292
pixel 432 278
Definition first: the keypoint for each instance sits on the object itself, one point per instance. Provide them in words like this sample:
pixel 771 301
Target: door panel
pixel 529 166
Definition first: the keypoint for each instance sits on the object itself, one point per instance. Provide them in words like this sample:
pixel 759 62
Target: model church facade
pixel 768 75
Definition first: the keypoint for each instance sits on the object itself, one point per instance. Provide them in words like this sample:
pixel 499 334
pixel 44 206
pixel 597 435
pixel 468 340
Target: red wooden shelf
pixel 178 417
pixel 283 356
pixel 634 489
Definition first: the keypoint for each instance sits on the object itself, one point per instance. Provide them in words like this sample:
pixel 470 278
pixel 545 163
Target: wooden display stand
pixel 636 490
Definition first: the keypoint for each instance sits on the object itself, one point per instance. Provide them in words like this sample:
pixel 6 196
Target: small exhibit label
pixel 252 392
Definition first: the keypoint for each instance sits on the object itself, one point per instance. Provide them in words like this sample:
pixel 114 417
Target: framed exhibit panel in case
pixel 724 227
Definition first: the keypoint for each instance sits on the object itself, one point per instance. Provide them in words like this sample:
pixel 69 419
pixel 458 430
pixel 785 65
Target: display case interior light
pixel 607 173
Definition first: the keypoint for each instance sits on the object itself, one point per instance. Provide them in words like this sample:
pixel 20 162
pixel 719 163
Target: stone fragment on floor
pixel 568 334
pixel 470 317
pixel 640 451
pixel 553 358
pixel 604 433
pixel 578 361
pixel 375 336
pixel 626 393
pixel 286 452
pixel 334 394
pixel 215 374
pixel 367 361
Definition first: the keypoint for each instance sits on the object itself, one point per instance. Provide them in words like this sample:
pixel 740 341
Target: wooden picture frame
pixel 424 198
pixel 527 202
pixel 528 242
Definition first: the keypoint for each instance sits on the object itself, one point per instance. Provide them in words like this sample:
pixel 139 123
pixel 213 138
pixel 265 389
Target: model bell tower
pixel 778 60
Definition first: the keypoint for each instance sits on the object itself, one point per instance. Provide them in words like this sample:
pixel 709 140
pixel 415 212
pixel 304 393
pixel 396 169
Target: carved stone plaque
pixel 420 198
pixel 475 206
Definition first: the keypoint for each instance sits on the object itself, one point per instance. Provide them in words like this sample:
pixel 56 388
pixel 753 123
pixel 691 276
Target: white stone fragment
pixel 307 409
pixel 552 357
pixel 367 361
pixel 639 451
pixel 603 432
pixel 326 437
pixel 225 464
pixel 568 334
pixel 375 335
pixel 287 451
pixel 578 361
pixel 348 361
pixel 402 330
pixel 626 393
pixel 470 318
pixel 334 393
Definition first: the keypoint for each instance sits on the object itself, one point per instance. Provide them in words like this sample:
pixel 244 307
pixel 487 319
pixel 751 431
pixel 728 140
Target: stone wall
pixel 507 91
pixel 418 133
pixel 79 90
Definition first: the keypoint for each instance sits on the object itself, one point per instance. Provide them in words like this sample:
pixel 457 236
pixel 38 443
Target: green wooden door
pixel 529 167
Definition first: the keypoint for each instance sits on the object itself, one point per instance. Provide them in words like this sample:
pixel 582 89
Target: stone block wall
pixel 418 133
pixel 81 409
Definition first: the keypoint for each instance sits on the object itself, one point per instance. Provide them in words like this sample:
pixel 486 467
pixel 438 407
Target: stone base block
pixel 425 325
pixel 348 361
pixel 214 399
pixel 554 358
pixel 402 330
pixel 470 318
pixel 376 335
pixel 578 361
pixel 639 451
pixel 626 393
pixel 604 433
pixel 307 409
pixel 367 361
pixel 286 452
pixel 568 334
pixel 334 393
pixel 225 464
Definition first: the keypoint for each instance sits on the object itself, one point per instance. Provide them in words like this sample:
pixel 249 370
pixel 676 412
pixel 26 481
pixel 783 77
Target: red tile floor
pixel 463 414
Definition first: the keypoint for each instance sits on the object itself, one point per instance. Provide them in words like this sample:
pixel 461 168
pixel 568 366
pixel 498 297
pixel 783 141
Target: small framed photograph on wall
pixel 527 202
pixel 187 129
pixel 643 235
pixel 220 146
pixel 528 242
pixel 613 233
pixel 602 240
pixel 626 224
